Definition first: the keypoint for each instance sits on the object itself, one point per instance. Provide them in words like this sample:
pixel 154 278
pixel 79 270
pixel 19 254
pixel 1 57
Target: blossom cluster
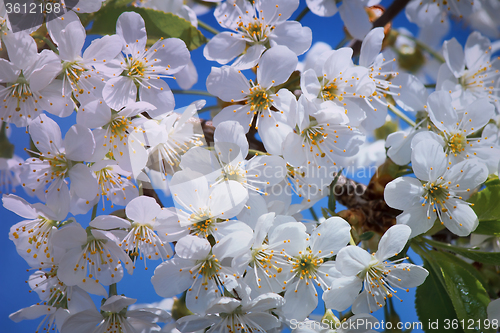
pixel 235 243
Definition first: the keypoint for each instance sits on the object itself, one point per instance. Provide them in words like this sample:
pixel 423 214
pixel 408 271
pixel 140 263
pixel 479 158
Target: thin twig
pixel 389 14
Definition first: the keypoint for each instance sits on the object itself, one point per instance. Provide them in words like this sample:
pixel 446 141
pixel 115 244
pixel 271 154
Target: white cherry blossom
pixel 27 83
pixel 470 72
pixel 378 277
pixel 228 315
pixel 438 192
pixel 230 85
pixel 310 267
pixel 256 27
pixel 201 269
pixel 60 159
pixel 143 69
pixel 115 317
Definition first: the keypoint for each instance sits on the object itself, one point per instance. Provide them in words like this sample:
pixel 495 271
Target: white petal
pixel 79 143
pixel 300 300
pixel 232 132
pixel 275 66
pixel 454 56
pixel 310 85
pixel 71 41
pixel 8 71
pixel 130 27
pixel 393 241
pixel 93 287
pixel 19 206
pixel 104 48
pixel 21 48
pixel 46 134
pixel 233 245
pixel 494 310
pixel 170 53
pixel 172 277
pixel 194 323
pixel 82 322
pixel 189 187
pixel 428 160
pixel 416 218
pixel 372 44
pixel 224 47
pixel 476 115
pixel 32 312
pixel 250 58
pixel 160 96
pixel 201 295
pixel 415 94
pixel 468 174
pixel 338 62
pixel 227 199
pixel 292 150
pixel 402 192
pixel 351 260
pixel 366 303
pixel 116 303
pixel 192 247
pixel 93 114
pixel 108 222
pixel 292 35
pixel 463 219
pixel 477 51
pixel 441 110
pixel 142 209
pixel 407 275
pixel 342 293
pixel 291 237
pixel 330 236
pixel 227 84
pixel 322 7
pixel 83 182
pixel 355 18
pixel 119 91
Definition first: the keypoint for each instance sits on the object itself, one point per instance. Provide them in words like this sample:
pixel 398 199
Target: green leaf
pixel 366 235
pixel 433 304
pixel 6 148
pixel 488 228
pixel 327 213
pixel 486 203
pixel 467 294
pixel 492 258
pixel 158 24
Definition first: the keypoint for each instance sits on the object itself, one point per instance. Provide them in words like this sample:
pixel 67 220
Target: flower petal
pixel 393 241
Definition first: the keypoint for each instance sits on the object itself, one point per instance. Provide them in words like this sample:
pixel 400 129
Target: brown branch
pixel 389 14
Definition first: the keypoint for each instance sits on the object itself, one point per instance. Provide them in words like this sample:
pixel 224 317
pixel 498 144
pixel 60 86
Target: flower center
pixel 255 30
pixel 209 267
pixel 74 71
pixel 20 90
pixel 204 227
pixel 314 136
pixel 259 99
pixel 456 143
pixel 306 265
pixel 437 193
pixel 119 127
pixel 331 91
pixel 59 165
pixel 135 68
pixel 233 172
